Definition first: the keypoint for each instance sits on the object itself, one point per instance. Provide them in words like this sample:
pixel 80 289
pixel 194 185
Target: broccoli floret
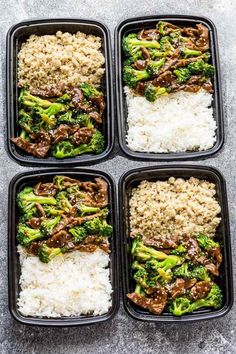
pixel 144 253
pixel 132 76
pixel 24 134
pixel 66 118
pixel 152 92
pixel 200 66
pixel 48 225
pixel 200 273
pixel 79 233
pixel 137 266
pixel 90 91
pixel 84 120
pixel 141 277
pixel 98 226
pixel 182 74
pixel 186 52
pixel 206 242
pixel 85 209
pixel 46 254
pixel 25 121
pixel 179 251
pixel 65 99
pixel 66 149
pixel 138 290
pixel 183 271
pixel 48 115
pixel 161 27
pixel 26 235
pixel 213 299
pixel 165 44
pixel 26 99
pixel 154 66
pixel 180 306
pixel 131 44
pixel 26 199
pixel 208 70
pixel 63 201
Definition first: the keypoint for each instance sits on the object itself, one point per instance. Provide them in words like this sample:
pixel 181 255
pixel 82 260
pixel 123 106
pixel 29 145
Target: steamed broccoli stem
pixel 132 76
pixel 48 225
pixel 27 235
pixel 165 44
pixel 131 44
pixel 170 262
pixel 25 121
pixel 142 252
pixel 154 53
pixel 141 277
pixel 182 74
pixel 26 99
pixel 206 242
pixel 161 27
pixel 85 209
pixel 46 254
pixel 152 92
pixel 186 52
pixel 179 251
pixel 26 199
pixel 153 67
pixel 63 202
pixel 49 210
pixel 23 134
pixel 79 234
pixel 67 149
pixel 90 91
pixel 137 266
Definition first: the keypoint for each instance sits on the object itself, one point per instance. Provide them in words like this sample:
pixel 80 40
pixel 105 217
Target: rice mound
pixel 73 284
pixel 178 122
pixel 174 207
pixel 61 59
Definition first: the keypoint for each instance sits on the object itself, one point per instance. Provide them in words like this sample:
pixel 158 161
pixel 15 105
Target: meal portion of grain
pixel 73 284
pixel 62 59
pixel 178 122
pixel 174 207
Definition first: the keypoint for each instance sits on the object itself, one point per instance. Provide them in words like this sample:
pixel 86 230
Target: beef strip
pixel 98 192
pixel 200 290
pixel 148 35
pixel 155 304
pixel 162 241
pixel 86 248
pixel 63 132
pixel 180 286
pixel 34 247
pixel 163 80
pixel 169 64
pixel 208 86
pixel 34 222
pixel 140 89
pixel 39 148
pixel 40 209
pixel 50 91
pixel 140 64
pixel 45 189
pixel 82 136
pixel 99 102
pixel 202 42
pixel 60 239
pixel 212 268
pixel 145 53
pixel 96 116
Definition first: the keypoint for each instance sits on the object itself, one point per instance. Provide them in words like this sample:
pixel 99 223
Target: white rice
pixel 70 285
pixel 177 122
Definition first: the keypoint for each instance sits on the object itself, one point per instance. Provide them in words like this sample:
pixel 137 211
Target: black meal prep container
pixel 129 181
pixel 134 25
pixel 18 34
pixel 30 178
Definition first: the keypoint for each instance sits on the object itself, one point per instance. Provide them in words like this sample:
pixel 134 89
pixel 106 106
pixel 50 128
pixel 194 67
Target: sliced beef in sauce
pixel 45 189
pixel 40 146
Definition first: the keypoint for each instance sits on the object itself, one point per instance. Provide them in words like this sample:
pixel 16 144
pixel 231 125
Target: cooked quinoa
pixel 174 207
pixel 58 60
